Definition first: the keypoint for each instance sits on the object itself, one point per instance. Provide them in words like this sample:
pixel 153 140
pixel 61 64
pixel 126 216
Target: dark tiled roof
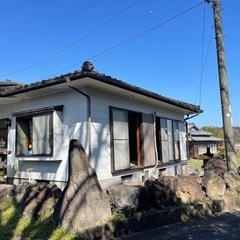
pixel 8 82
pixel 204 139
pixel 87 71
pixel 9 86
pixel 198 135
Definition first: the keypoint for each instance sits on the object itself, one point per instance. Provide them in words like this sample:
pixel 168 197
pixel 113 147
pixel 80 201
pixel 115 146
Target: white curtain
pixel 121 139
pixel 183 141
pixel 164 138
pixel 41 135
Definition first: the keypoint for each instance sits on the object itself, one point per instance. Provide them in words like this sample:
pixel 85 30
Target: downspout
pixel 155 140
pixel 67 79
pixel 185 120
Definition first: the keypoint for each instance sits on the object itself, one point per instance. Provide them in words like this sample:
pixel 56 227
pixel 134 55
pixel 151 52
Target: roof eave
pixel 191 109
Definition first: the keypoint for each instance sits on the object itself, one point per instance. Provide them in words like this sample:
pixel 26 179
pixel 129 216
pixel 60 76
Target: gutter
pixel 187 118
pixel 67 79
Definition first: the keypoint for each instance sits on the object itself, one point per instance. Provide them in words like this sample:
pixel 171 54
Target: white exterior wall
pixel 72 124
pixel 67 125
pixel 101 153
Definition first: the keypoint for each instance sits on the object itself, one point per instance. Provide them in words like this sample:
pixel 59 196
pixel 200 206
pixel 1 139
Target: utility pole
pixel 224 93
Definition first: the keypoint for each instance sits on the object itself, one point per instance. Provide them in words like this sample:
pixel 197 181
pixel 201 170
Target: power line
pixel 199 92
pixel 234 12
pixel 73 44
pixel 155 9
pixel 203 68
pixel 124 43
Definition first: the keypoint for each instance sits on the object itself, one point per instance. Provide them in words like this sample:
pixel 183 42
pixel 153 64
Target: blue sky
pixel 165 46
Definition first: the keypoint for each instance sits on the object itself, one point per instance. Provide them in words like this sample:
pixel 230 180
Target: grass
pixel 2 173
pixel 238 157
pixel 197 164
pixel 194 164
pixel 118 217
pixel 14 226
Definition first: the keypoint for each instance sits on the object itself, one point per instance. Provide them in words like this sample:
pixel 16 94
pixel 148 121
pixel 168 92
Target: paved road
pixel 224 226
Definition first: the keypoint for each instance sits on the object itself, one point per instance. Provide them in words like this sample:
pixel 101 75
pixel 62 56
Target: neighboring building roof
pixel 9 86
pixel 87 72
pixel 197 135
pixel 8 82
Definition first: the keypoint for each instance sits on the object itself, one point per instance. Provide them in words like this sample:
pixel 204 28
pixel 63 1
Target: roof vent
pixel 87 66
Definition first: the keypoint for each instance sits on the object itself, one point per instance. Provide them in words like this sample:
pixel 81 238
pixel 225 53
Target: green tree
pixel 216 132
pixel 236 134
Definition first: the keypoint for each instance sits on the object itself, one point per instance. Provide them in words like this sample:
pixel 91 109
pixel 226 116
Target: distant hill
pixel 236 134
pixel 218 132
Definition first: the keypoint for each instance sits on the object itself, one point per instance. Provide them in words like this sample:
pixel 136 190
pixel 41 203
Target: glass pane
pixel 164 134
pixel 170 140
pixel 121 139
pixel 165 157
pixel 177 155
pixel 176 131
pixel 121 154
pixel 120 124
pixel 164 131
pixel 163 123
pixel 22 136
pixel 182 142
pixel 41 134
pixel 2 124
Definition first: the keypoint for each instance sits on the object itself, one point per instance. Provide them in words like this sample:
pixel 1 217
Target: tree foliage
pixel 218 132
pixel 236 134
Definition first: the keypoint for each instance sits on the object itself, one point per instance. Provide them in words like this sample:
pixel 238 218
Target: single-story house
pixel 199 141
pixel 128 133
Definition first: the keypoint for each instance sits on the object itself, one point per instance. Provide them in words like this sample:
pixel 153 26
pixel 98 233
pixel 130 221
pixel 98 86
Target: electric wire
pixel 203 61
pixel 155 9
pixel 199 92
pixel 235 14
pixel 122 44
pixel 74 43
pixel 203 69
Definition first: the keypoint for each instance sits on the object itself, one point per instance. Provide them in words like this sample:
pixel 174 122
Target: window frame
pixel 133 149
pixel 27 118
pixel 4 132
pixel 174 139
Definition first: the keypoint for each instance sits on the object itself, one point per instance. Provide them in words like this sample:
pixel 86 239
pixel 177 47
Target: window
pixel 134 140
pixel 168 139
pixel 34 134
pixel 125 139
pixel 3 133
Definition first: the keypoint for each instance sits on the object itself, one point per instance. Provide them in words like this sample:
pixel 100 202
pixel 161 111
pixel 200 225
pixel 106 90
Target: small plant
pixel 2 173
pixel 118 217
